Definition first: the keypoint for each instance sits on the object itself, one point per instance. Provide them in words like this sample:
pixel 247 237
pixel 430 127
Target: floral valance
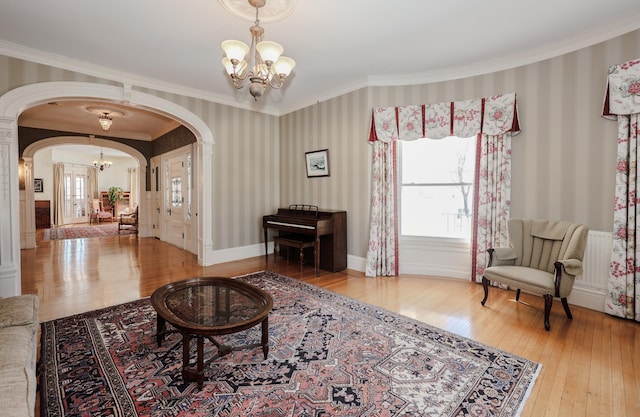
pixel 623 90
pixel 492 116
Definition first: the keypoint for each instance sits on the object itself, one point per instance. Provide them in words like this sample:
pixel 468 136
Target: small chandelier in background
pixel 102 164
pixel 105 114
pixel 264 65
pixel 105 121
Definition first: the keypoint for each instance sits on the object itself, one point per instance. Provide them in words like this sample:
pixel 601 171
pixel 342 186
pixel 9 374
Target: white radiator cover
pixel 589 290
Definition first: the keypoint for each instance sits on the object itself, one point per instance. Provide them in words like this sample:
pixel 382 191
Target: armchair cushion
pixel 19 310
pixel 128 218
pixel 530 280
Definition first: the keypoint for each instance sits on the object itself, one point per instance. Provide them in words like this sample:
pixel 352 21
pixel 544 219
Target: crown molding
pixel 125 78
pixel 552 50
pixel 586 39
pixel 530 56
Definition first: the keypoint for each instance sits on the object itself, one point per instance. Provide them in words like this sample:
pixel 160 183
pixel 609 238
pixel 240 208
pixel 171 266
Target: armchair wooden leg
pixel 518 294
pixel 485 286
pixel 548 302
pixel 565 304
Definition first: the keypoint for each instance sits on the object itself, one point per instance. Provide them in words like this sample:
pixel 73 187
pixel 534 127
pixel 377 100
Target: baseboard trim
pixel 590 298
pixel 587 298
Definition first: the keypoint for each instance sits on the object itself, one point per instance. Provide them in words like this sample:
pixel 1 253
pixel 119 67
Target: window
pixel 436 192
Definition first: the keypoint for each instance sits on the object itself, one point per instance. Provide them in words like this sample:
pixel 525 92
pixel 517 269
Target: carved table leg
pixel 161 328
pixel 265 336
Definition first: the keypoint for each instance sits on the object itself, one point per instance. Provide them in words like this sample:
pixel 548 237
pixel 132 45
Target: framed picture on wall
pixel 317 163
pixel 37 185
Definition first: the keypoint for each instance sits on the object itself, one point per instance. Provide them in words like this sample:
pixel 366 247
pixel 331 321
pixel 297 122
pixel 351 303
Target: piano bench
pixel 300 242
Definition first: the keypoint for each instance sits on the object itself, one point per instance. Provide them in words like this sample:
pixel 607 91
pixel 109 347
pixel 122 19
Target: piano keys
pixel 329 227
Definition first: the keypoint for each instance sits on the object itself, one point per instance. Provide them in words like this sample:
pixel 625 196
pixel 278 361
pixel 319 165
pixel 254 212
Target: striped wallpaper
pixel 563 161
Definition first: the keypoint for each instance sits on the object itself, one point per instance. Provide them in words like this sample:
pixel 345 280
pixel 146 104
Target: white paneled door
pixel 175 188
pixel 75 195
pixel 156 197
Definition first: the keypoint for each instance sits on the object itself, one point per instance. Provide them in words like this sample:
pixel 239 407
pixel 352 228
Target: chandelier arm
pixel 276 81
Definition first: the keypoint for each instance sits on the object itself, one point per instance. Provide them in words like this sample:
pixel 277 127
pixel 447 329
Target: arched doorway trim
pixel 14 102
pixel 27 232
pixel 30 150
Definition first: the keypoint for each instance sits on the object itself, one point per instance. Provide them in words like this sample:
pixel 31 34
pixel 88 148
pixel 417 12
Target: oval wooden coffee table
pixel 206 307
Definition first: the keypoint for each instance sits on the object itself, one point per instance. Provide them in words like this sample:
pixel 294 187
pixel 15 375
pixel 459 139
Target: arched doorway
pixel 12 197
pixel 28 235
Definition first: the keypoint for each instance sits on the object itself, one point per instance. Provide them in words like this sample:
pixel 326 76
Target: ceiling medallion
pixel 270 11
pixel 100 110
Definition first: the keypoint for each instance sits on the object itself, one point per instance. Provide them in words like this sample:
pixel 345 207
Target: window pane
pixel 447 160
pixel 437 187
pixel 176 191
pixel 68 193
pixel 437 211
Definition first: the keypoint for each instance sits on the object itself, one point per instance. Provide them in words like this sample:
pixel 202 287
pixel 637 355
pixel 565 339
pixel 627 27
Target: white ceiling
pixel 339 45
pixel 82 117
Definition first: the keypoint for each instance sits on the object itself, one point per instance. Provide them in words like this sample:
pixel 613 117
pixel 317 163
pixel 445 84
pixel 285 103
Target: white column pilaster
pixel 204 152
pixel 9 209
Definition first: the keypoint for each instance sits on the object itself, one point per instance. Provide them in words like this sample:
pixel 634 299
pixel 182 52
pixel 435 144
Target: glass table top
pixel 211 302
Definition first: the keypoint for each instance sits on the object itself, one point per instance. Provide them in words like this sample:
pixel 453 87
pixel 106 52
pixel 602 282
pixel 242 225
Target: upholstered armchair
pixel 128 221
pixel 98 213
pixel 544 258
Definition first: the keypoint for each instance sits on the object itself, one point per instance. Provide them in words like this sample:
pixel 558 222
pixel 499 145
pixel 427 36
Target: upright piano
pixel 327 226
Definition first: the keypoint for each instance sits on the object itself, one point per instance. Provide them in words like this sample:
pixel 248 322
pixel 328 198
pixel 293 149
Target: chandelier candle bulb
pixel 105 121
pixel 235 50
pixel 102 163
pixel 283 66
pixel 269 51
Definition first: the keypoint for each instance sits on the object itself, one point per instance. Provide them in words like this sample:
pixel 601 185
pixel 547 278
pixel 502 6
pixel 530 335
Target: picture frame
pixel 37 185
pixel 317 163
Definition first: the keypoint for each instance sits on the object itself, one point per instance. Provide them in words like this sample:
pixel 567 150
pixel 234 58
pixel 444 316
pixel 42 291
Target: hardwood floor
pixel 590 365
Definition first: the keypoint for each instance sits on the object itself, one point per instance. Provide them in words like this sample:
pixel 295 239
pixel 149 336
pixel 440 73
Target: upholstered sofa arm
pixel 571 266
pixel 501 256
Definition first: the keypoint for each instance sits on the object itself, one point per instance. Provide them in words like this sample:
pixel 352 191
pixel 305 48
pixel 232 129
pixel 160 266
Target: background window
pixel 436 193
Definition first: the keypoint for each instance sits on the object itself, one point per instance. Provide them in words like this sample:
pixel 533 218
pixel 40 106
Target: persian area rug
pixel 99 230
pixel 328 356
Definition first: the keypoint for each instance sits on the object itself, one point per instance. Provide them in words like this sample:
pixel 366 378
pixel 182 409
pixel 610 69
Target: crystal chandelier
pixel 102 164
pixel 262 62
pixel 105 121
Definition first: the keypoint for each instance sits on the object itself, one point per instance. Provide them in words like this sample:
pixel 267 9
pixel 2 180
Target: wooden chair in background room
pixel 544 258
pixel 128 221
pixel 98 213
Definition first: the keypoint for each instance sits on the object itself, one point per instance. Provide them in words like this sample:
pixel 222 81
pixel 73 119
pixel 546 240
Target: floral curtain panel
pixel 622 102
pixel 493 120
